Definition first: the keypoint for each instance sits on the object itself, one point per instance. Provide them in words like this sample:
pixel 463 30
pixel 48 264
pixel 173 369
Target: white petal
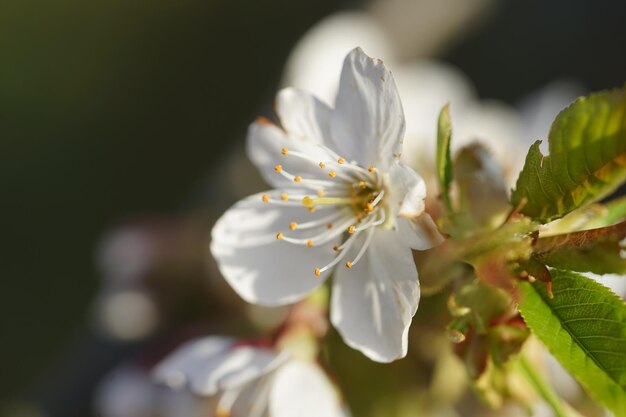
pixel 301 389
pixel 211 364
pixel 259 267
pixel 368 122
pixel 175 370
pixel 420 233
pixel 408 191
pixel 303 116
pixel 264 145
pixel 373 302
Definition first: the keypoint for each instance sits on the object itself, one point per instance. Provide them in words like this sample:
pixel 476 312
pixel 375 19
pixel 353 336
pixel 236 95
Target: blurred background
pixel 119 122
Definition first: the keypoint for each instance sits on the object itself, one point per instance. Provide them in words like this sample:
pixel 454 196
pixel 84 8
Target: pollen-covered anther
pixel 332 174
pixel 318 272
pixel 279 235
pixel 278 168
pixel 371 168
pixel 369 207
pixel 351 229
pixel 329 226
pixel 309 243
pixel 311 209
pixel 348 264
pixel 336 248
pixel 265 198
pixel 362 185
pixel 284 197
pixel 297 178
pixel 322 165
pixel 341 161
pixel 284 151
pixel 293 225
pixel 321 193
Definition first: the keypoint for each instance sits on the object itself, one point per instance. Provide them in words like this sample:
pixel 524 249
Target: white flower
pixel 343 202
pixel 247 381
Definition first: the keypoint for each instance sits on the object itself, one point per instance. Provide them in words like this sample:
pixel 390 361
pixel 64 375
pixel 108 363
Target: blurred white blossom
pixel 238 380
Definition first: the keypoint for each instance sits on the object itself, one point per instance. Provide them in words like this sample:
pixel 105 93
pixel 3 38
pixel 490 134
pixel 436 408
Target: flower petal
pixel 420 233
pixel 175 370
pixel 302 389
pixel 368 122
pixel 408 191
pixel 259 267
pixel 303 116
pixel 207 369
pixel 373 302
pixel 264 147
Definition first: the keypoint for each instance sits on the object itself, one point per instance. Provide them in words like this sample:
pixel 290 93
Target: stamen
pixel 293 225
pixel 265 198
pixel 345 247
pixel 280 236
pixel 366 244
pixel 321 238
pixel 362 185
pixel 351 229
pixel 284 151
pixel 348 264
pixel 378 198
pixel 278 168
pixel 371 168
pixel 320 193
pixel 309 243
pixel 329 226
pixel 341 161
pixel 332 174
pixel 297 178
pixel 322 165
pixel 319 222
pixel 318 272
pixel 311 202
pixel 284 197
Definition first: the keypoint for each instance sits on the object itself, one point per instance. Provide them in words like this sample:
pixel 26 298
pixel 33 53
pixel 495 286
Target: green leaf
pixel 584 327
pixel 596 250
pixel 587 159
pixel 444 165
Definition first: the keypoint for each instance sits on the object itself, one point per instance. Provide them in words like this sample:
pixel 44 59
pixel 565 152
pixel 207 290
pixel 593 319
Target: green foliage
pixel 584 327
pixel 444 165
pixel 587 159
pixel 596 250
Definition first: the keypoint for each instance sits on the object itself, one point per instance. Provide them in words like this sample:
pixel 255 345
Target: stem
pixel 543 389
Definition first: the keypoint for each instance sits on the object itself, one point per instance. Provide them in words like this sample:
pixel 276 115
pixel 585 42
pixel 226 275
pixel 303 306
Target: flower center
pixel 355 196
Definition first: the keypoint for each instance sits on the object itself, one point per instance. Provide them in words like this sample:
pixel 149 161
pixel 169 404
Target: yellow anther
pixel 362 185
pixel 371 168
pixel 265 198
pixel 278 168
pixel 336 248
pixel 279 235
pixel 317 272
pixel 322 165
pixel 320 193
pixel 293 225
pixel 284 197
pixel 341 161
pixel 311 209
pixel 332 174
pixel 284 151
pixel 348 264
pixel 351 229
pixel 369 207
pixel 297 178
pixel 309 243
pixel 329 226
pixel 307 201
